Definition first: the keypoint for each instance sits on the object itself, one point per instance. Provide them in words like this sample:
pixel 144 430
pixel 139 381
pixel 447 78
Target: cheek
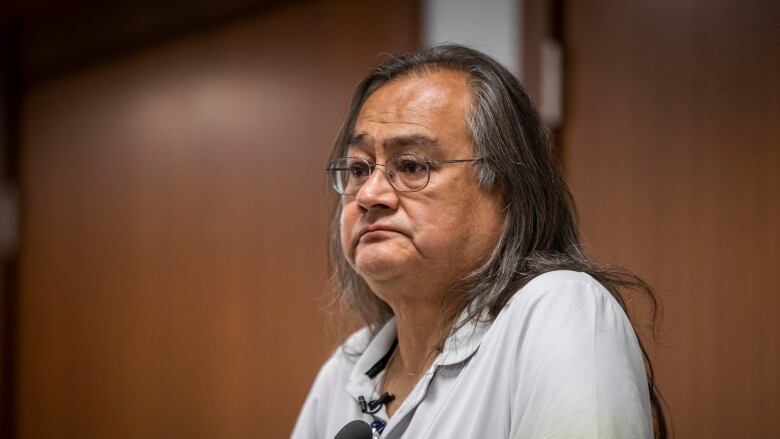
pixel 488 224
pixel 480 220
pixel 437 226
pixel 346 228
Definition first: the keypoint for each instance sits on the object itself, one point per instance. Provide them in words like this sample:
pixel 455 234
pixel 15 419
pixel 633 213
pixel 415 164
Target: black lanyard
pixel 371 407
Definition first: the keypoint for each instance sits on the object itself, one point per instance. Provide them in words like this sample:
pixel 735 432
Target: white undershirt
pixel 560 361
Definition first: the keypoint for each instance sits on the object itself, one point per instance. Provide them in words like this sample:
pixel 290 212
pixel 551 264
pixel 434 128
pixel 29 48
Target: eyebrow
pixel 419 140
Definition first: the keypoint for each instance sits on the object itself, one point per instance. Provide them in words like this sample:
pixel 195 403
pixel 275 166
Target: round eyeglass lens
pixel 349 174
pixel 407 172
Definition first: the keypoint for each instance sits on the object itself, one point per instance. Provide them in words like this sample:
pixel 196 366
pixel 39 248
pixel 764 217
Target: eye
pixel 358 170
pixel 410 165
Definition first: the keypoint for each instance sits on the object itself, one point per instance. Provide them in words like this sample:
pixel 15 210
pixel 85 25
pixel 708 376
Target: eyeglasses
pixel 406 172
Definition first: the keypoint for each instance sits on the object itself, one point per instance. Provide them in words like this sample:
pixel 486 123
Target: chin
pixel 376 267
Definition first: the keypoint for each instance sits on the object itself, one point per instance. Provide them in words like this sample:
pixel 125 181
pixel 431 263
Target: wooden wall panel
pixel 174 226
pixel 535 24
pixel 672 146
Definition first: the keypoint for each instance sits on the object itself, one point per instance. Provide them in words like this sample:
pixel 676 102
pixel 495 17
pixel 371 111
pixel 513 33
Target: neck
pixel 418 332
pixel 418 310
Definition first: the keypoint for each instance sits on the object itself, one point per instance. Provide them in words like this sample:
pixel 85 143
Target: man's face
pixel 441 232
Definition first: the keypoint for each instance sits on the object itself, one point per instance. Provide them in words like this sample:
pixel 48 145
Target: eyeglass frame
pixel 372 167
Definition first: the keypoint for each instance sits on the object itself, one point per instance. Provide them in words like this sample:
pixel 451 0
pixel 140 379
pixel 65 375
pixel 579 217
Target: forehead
pixel 425 109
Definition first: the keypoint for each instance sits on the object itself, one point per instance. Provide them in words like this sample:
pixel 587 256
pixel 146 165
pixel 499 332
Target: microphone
pixel 355 430
pixel 374 406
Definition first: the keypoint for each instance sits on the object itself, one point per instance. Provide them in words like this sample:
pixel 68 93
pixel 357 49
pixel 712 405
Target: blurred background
pixel 163 205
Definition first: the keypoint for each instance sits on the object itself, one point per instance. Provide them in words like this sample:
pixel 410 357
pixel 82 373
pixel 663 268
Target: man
pixel 454 240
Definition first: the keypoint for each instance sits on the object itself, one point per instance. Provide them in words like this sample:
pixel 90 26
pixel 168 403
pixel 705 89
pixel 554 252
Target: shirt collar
pixel 361 384
pixel 465 341
pixel 458 347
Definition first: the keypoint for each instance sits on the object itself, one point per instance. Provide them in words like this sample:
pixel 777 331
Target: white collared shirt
pixel 561 360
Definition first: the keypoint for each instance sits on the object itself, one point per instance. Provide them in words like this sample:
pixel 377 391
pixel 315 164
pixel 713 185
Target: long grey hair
pixel 540 229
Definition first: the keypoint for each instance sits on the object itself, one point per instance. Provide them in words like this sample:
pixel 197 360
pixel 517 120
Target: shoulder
pixel 341 362
pixel 576 362
pixel 563 312
pixel 561 285
pixel 558 277
pixel 556 296
pixel 327 391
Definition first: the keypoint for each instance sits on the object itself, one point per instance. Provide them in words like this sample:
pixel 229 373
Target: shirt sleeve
pixel 311 420
pixel 321 405
pixel 579 371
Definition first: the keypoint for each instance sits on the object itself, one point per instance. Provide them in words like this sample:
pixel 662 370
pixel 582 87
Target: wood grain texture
pixel 672 150
pixel 173 273
pixel 535 25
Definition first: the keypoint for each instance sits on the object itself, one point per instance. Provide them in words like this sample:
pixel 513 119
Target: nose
pixel 377 192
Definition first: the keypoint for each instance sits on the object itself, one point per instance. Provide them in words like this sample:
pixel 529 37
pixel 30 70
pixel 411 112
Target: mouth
pixel 376 232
